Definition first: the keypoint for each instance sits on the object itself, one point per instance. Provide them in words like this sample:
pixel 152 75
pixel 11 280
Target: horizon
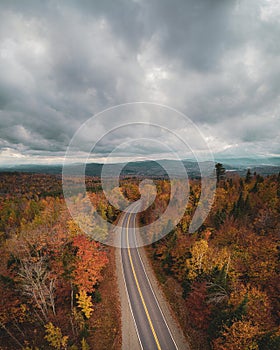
pixel 257 160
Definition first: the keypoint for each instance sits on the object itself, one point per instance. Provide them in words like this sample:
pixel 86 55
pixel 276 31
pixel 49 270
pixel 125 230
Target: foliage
pixel 55 337
pixel 229 269
pixel 239 336
pixel 89 264
pixel 85 345
pixel 46 259
pixel 85 303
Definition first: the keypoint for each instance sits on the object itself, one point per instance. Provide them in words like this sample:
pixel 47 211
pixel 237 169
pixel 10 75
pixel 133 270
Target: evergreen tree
pixel 220 172
pixel 248 177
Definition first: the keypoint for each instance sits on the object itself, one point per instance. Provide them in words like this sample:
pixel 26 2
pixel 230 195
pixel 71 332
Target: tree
pixel 218 287
pixel 258 306
pixel 85 303
pixel 240 335
pixel 54 337
pixel 197 261
pixel 248 177
pixel 85 345
pixel 90 260
pixel 198 308
pixel 37 284
pixel 220 172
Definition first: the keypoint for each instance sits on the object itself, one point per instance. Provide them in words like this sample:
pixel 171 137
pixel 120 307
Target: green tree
pixel 220 172
pixel 248 177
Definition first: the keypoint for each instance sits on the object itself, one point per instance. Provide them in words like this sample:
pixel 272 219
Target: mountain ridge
pixel 264 166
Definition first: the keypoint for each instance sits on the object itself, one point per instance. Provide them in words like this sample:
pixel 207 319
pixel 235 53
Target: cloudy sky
pixel 216 61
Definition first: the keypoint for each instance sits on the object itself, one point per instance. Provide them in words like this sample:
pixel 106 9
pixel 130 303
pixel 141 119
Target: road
pixel 151 327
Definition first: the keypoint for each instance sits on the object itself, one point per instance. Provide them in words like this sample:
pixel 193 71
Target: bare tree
pixel 37 284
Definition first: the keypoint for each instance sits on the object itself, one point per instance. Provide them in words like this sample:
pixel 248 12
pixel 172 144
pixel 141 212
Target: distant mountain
pixel 246 162
pixel 33 168
pixel 260 165
pixel 153 169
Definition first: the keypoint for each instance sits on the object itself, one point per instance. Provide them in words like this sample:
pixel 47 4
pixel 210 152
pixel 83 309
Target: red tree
pixel 90 261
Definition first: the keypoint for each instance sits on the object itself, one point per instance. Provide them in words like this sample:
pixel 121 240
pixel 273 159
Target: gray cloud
pixel 61 62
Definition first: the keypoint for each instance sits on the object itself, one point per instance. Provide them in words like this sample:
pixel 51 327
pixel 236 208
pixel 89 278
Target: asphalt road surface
pixel 151 327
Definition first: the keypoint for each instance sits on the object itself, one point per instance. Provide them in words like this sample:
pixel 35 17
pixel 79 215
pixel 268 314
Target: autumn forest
pixel 58 288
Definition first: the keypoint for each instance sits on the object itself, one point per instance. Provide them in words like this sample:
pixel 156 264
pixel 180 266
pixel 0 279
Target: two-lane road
pixel 151 327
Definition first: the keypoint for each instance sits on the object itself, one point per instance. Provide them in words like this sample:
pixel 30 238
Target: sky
pixel 61 62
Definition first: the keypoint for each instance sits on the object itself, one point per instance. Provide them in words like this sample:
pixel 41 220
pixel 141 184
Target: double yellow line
pixel 139 289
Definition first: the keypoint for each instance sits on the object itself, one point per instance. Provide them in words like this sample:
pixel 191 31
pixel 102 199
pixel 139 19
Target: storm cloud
pixel 216 61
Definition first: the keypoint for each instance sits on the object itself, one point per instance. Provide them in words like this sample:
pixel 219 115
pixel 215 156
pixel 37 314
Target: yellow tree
pixel 240 336
pixel 55 337
pixel 85 303
pixel 197 261
pixel 258 308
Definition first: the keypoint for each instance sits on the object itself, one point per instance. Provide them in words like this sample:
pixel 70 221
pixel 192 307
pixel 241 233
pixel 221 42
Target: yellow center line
pixel 138 287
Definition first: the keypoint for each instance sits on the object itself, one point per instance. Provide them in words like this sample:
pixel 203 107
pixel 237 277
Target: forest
pixel 222 281
pixel 50 270
pixel 227 272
